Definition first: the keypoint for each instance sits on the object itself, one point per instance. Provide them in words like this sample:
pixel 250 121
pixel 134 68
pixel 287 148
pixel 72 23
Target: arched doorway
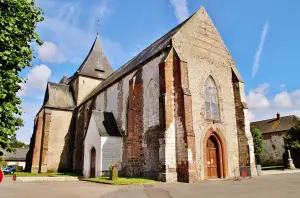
pixel 214 156
pixel 213 161
pixel 93 163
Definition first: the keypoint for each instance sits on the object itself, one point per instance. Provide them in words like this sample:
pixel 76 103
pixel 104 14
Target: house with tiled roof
pixel 273 131
pixel 17 157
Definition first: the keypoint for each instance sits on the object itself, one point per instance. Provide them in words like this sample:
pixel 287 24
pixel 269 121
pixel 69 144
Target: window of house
pixel 211 100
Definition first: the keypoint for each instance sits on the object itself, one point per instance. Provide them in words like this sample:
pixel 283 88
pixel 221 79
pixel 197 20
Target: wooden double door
pixel 213 161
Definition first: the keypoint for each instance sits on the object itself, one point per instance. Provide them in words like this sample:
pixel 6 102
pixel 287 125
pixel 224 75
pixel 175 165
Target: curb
pixel 32 179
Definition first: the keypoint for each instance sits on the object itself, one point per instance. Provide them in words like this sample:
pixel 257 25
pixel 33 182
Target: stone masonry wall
pixel 244 158
pixel 116 99
pixel 273 151
pixel 85 86
pixel 150 135
pixel 59 153
pixel 199 44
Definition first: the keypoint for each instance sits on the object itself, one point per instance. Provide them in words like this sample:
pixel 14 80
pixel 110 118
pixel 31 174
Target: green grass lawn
pixel 122 181
pixel 25 174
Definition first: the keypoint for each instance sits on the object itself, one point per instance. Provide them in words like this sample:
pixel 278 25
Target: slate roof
pixel 106 124
pixel 95 64
pixel 59 96
pixel 149 52
pixel 18 155
pixel 276 125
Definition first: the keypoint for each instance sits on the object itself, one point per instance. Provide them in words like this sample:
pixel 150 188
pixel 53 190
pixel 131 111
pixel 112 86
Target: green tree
pixel 293 137
pixel 257 141
pixel 18 20
pixel 2 162
pixel 17 144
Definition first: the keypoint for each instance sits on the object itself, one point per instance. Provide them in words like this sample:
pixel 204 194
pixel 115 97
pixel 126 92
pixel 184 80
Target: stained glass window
pixel 211 100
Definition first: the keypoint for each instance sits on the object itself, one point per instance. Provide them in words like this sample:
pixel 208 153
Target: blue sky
pixel 262 36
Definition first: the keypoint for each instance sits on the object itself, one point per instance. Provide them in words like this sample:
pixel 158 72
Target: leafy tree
pixel 18 19
pixel 2 162
pixel 293 137
pixel 17 144
pixel 257 141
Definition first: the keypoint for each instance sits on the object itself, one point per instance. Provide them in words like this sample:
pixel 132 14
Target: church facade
pixel 175 112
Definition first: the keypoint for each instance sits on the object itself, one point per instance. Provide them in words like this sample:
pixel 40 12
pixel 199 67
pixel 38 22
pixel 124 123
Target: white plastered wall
pixel 108 150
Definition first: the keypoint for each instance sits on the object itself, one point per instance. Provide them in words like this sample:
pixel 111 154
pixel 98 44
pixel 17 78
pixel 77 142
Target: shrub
pixel 19 168
pixel 2 162
pixel 257 141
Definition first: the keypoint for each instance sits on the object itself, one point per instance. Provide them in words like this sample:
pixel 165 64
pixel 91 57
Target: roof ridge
pixel 110 79
pixel 275 118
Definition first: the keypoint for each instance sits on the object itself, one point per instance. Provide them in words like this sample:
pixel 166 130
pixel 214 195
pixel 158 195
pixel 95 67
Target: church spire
pixel 95 64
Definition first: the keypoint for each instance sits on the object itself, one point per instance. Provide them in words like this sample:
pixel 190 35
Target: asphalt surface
pixel 274 186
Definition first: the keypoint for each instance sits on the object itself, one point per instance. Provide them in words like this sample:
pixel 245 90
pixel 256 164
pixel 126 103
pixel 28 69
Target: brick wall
pixel 80 125
pixel 133 147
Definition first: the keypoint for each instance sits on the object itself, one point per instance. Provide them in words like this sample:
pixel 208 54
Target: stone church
pixel 175 112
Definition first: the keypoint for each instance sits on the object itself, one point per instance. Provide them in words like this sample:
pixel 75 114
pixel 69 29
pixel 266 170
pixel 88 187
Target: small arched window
pixel 211 100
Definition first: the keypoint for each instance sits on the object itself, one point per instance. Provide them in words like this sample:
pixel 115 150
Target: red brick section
pixel 29 156
pixel 166 101
pixel 78 139
pixel 37 144
pixel 244 156
pixel 81 120
pixel 186 170
pixel 45 140
pixel 133 146
pixel 174 88
pixel 222 152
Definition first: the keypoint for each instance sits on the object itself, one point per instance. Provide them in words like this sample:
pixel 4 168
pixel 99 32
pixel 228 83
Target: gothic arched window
pixel 211 100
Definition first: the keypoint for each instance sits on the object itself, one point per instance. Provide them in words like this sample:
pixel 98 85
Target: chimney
pixel 278 116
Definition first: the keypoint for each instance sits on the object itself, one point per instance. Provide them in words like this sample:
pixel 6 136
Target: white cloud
pixel 250 116
pixel 259 50
pixel 256 98
pixel 283 100
pixel 48 52
pixel 75 38
pixel 181 9
pixel 37 79
pixel 263 107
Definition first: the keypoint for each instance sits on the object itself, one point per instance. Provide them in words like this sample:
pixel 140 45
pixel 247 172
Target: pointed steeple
pixel 95 64
pixel 64 80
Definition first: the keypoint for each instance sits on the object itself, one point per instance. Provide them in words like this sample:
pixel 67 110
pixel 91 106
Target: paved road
pixel 275 186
